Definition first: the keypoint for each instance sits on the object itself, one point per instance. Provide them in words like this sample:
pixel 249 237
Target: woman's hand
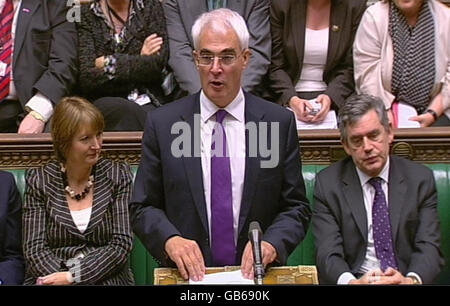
pixel 152 45
pixel 100 62
pixel 301 108
pixel 57 278
pixel 326 105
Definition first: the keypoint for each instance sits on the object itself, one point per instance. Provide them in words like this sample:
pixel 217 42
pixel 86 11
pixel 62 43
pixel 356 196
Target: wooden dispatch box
pixel 286 275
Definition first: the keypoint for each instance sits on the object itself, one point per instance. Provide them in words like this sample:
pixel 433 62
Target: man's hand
pixel 57 278
pixel 188 257
pixel 31 125
pixel 389 277
pixel 269 254
pixel 152 44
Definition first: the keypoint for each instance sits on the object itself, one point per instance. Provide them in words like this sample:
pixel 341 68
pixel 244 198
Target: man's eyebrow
pixel 227 50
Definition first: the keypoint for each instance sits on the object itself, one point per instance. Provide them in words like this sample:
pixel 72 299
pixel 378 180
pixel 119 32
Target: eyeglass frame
pixel 220 57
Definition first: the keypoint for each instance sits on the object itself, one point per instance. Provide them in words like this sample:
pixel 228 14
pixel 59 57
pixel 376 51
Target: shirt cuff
pixel 345 278
pixel 415 275
pixel 40 104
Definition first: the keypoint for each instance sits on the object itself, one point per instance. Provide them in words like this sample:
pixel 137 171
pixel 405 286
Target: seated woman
pixel 402 54
pixel 76 223
pixel 11 259
pixel 311 53
pixel 123 52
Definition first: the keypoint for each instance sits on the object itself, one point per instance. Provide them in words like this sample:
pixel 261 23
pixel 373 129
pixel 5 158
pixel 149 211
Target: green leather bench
pixel 143 264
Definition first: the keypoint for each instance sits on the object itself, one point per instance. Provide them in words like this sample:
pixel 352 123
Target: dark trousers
pixel 10 116
pixel 122 115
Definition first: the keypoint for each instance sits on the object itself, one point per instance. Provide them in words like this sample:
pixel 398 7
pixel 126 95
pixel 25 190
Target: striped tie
pixel 6 19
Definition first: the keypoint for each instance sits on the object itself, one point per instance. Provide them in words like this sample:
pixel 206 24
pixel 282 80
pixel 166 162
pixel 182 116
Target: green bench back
pixel 143 264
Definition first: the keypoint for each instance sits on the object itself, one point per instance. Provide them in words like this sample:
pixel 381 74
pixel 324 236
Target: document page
pixel 330 122
pixel 224 278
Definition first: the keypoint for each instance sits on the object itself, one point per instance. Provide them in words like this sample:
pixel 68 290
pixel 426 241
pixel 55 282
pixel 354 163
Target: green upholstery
pixel 143 264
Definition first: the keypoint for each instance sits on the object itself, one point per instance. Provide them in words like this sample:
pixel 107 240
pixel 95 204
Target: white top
pixel 234 124
pixel 81 218
pixel 314 60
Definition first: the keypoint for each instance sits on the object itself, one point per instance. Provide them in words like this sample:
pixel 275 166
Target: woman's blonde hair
pixel 70 115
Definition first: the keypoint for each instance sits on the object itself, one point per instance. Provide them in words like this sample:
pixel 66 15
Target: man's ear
pixel 246 54
pixel 194 55
pixel 346 147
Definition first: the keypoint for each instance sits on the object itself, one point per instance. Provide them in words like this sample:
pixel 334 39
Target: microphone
pixel 254 235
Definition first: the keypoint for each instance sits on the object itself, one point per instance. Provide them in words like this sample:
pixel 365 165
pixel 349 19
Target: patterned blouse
pixel 125 69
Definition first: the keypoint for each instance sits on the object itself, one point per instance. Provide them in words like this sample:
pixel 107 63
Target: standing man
pixel 194 209
pixel 37 62
pixel 180 16
pixel 375 218
pixel 11 258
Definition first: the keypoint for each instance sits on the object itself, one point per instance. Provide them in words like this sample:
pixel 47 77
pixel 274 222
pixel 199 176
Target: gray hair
pixel 219 20
pixel 357 106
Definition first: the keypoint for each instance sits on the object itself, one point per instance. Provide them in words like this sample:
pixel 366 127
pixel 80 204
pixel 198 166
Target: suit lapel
pixel 57 197
pixel 103 191
pixel 298 21
pixel 252 164
pixel 353 195
pixel 397 194
pixel 26 11
pixel 190 10
pixel 193 165
pixel 338 14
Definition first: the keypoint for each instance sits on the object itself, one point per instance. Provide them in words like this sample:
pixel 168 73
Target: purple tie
pixel 222 233
pixel 382 234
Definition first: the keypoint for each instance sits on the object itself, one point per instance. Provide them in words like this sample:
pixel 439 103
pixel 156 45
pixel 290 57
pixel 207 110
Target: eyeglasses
pixel 224 59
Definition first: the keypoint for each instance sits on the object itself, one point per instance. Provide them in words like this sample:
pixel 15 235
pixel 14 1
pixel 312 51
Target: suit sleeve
pixel 426 259
pixel 148 218
pixel 258 24
pixel 342 84
pixel 12 264
pixel 39 257
pixel 280 81
pixel 60 75
pixel 101 262
pixel 328 240
pixel 181 59
pixel 289 227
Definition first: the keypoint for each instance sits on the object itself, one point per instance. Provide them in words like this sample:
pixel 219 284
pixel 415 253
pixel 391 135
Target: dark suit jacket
pixel 45 50
pixel 288 23
pixel 169 198
pixel 11 259
pixel 340 220
pixel 51 237
pixel 180 17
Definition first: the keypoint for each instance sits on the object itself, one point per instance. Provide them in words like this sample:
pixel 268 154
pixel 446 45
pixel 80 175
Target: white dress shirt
pixel 234 124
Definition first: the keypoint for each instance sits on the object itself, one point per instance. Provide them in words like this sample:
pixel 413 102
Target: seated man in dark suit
pixel 192 202
pixel 11 259
pixel 375 217
pixel 37 62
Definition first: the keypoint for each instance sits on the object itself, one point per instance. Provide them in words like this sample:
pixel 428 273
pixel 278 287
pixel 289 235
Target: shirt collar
pixel 236 108
pixel 384 174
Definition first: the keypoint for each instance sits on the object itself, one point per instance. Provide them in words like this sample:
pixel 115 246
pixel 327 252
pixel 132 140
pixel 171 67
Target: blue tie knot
pixel 376 182
pixel 220 115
